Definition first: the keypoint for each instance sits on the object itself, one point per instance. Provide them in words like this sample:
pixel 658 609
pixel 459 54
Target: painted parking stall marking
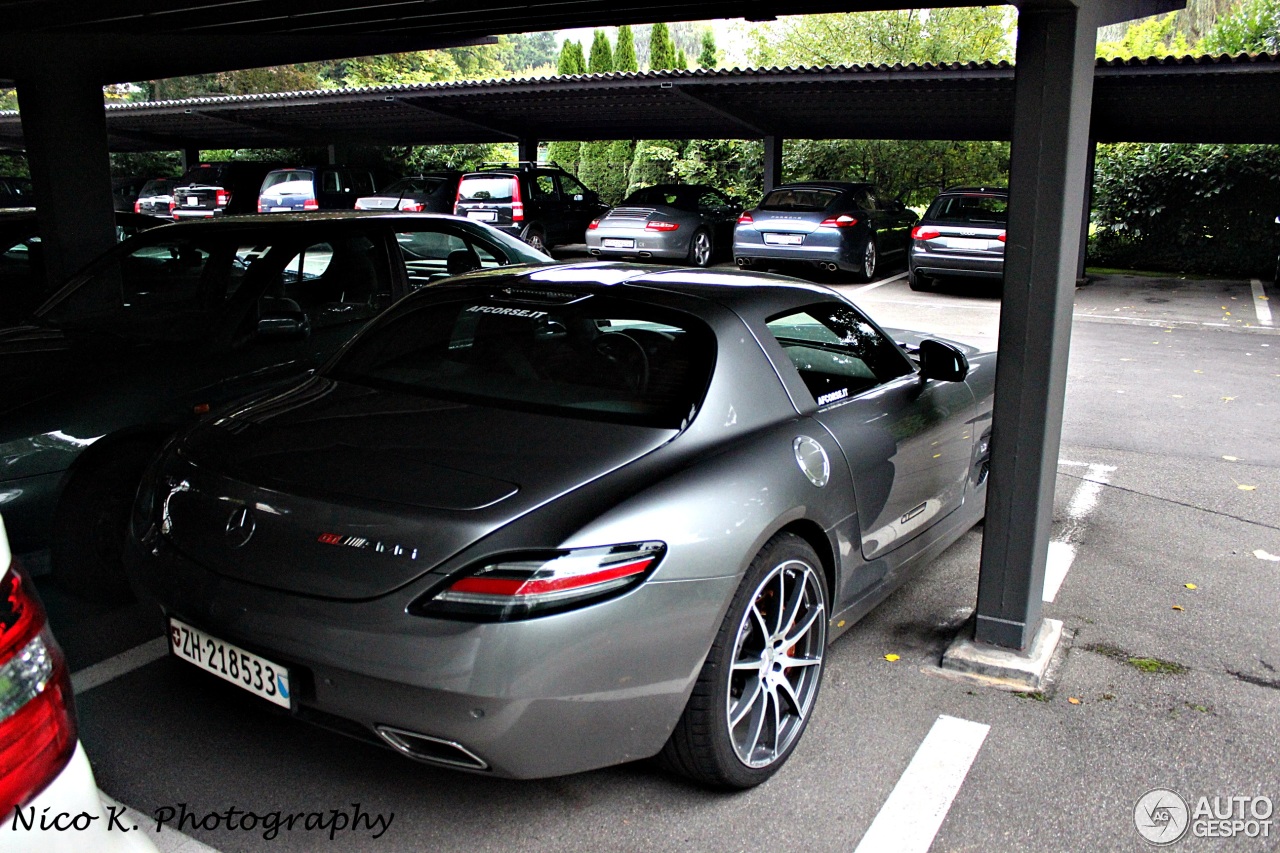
pixel 84 680
pixel 911 817
pixel 1062 549
pixel 1261 303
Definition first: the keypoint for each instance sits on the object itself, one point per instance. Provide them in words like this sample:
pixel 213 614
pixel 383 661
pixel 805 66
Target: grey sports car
pixel 533 523
pixel 669 221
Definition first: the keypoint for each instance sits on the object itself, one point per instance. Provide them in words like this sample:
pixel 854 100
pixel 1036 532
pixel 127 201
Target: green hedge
pixel 1187 208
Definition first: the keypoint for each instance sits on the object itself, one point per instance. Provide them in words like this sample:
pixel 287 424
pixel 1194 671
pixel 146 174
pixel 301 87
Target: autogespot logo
pixel 1161 816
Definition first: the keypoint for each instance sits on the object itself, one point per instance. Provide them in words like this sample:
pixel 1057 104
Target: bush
pixel 1187 208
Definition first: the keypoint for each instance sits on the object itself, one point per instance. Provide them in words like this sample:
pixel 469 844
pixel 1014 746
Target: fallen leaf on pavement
pixel 891 657
pixel 1177 607
pixel 1190 586
pixel 1245 488
pixel 1073 700
pixel 1232 458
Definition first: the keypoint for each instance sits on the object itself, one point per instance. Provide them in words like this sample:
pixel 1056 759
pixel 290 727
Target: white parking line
pixel 911 817
pixel 110 669
pixel 1062 550
pixel 168 840
pixel 876 284
pixel 1261 304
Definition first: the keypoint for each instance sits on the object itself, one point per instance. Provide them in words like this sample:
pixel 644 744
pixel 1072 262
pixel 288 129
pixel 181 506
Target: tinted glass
pixel 301 177
pixel 969 208
pixel 202 176
pixel 498 189
pixel 160 186
pixel 837 351
pixel 596 358
pixel 406 186
pixel 799 198
pixel 681 197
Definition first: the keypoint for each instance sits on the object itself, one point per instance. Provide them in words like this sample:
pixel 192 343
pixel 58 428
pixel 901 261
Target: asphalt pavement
pixel 1167 541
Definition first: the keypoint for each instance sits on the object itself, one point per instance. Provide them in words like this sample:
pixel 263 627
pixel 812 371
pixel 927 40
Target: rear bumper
pixel 836 252
pixel 560 694
pixel 645 244
pixel 968 266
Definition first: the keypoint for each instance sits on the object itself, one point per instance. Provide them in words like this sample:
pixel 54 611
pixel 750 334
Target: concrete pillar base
pixel 1030 670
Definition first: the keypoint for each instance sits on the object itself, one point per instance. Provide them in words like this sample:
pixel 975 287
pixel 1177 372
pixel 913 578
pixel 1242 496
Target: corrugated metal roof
pixel 1202 98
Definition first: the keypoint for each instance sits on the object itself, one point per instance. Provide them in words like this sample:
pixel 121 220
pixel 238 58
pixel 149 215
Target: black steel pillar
pixel 1053 93
pixel 528 149
pixel 190 157
pixel 772 162
pixel 65 129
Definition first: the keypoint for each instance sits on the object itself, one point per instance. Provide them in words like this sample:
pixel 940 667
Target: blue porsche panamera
pixel 533 522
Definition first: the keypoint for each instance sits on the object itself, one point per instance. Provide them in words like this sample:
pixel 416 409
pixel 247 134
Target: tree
pixel 571 59
pixel 682 61
pixel 1252 27
pixel 707 58
pixel 1153 36
pixel 624 55
pixel 662 53
pixel 532 50
pixel 601 54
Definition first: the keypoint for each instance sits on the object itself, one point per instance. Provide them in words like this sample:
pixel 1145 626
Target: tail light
pixel 517 203
pixel 457 200
pixel 921 233
pixel 311 204
pixel 659 225
pixel 412 207
pixel 137 207
pixel 223 198
pixel 521 586
pixel 172 205
pixel 1000 236
pixel 593 225
pixel 745 218
pixel 263 207
pixel 37 717
pixel 842 221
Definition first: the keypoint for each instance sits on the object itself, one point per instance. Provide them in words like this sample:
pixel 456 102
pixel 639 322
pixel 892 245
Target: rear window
pixel 210 176
pixel 680 197
pixel 159 186
pixel 413 185
pixel 499 189
pixel 596 358
pixel 799 198
pixel 288 176
pixel 969 208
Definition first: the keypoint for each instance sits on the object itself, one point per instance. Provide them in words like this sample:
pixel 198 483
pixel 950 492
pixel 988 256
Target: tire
pixel 536 239
pixel 91 522
pixel 919 283
pixel 701 248
pixel 708 744
pixel 870 260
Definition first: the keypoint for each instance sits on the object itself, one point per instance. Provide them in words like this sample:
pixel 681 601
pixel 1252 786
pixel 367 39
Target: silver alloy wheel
pixel 701 249
pixel 777 663
pixel 869 259
pixel 535 240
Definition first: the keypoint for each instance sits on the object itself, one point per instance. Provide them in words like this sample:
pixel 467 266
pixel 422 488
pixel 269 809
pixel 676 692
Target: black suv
pixel 540 203
pixel 215 189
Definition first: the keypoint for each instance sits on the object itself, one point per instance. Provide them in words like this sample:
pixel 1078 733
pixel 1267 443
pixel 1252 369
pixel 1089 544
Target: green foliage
pixel 734 166
pixel 1252 27
pixel 914 170
pixel 567 154
pixel 433 158
pixel 250 81
pixel 662 53
pixel 593 165
pixel 8 99
pixel 707 57
pixel 613 180
pixel 531 50
pixel 153 164
pixel 1153 36
pixel 601 54
pixel 1186 208
pixel 624 55
pixel 424 66
pixel 682 61
pixel 654 163
pixel 901 35
pixel 571 59
pixel 14 164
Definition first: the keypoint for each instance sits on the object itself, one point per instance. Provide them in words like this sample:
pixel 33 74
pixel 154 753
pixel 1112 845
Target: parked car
pixel 178 320
pixel 44 774
pixel 125 190
pixel 218 189
pixel 960 236
pixel 670 221
pixel 569 517
pixel 832 225
pixel 432 192
pixel 156 197
pixel 15 192
pixel 540 203
pixel 23 281
pixel 316 188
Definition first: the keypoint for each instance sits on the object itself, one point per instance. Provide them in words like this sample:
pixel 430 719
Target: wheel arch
pixel 155 434
pixel 816 538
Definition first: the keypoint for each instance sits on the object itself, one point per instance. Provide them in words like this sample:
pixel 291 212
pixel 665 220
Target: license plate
pixel 618 243
pixel 784 239
pixel 281 209
pixel 483 215
pixel 966 243
pixel 192 201
pixel 248 671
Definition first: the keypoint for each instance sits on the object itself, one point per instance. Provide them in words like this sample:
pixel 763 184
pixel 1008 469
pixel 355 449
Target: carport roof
pixel 1201 99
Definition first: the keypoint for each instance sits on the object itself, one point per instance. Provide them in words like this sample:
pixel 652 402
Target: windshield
pixel 596 357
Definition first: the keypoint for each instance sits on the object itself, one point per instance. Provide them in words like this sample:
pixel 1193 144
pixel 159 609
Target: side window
pixel 432 255
pixel 836 351
pixel 331 180
pixel 337 274
pixel 712 202
pixel 863 199
pixel 361 182
pixel 544 186
pixel 570 186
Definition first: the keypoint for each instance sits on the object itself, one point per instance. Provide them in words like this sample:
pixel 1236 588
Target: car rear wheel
pixel 91 522
pixel 701 248
pixel 535 238
pixel 867 269
pixel 760 681
pixel 917 282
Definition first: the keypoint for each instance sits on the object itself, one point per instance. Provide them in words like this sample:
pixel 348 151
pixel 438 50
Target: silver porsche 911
pixel 536 521
pixel 678 222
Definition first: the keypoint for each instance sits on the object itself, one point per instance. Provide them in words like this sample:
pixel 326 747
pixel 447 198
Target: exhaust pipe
pixel 432 750
pixel 830 267
pixel 742 262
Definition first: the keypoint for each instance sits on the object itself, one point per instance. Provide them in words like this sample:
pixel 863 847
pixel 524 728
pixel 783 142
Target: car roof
pixel 991 190
pixel 281 220
pixel 840 186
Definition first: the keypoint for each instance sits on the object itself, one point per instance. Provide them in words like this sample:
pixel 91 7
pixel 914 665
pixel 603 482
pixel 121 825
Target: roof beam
pixel 452 115
pixel 720 111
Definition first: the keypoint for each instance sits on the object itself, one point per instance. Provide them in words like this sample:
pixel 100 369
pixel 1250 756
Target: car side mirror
pixel 283 326
pixel 942 361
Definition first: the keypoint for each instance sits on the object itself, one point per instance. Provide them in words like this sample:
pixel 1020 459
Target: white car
pixel 48 797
